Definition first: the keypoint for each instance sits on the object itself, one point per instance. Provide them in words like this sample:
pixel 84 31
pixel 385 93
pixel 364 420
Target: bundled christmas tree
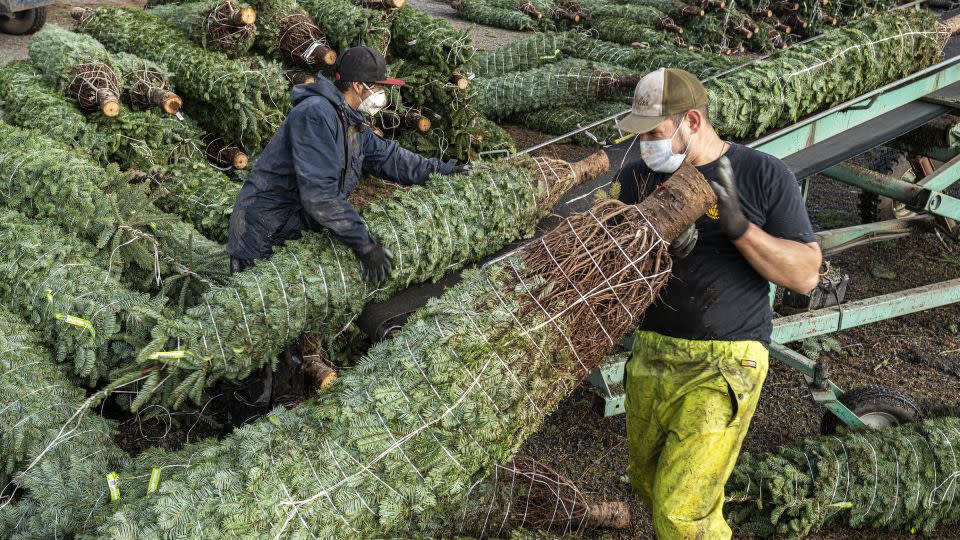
pixel 82 313
pixel 244 98
pixel 168 148
pixel 315 284
pixel 55 453
pixel 522 17
pixel 79 67
pixel 44 179
pixel 286 31
pixel 430 40
pixel 400 440
pixel 729 31
pixel 348 25
pixel 560 120
pixel 567 82
pixel 901 478
pixel 146 84
pixel 840 65
pixel 522 54
pixel 216 25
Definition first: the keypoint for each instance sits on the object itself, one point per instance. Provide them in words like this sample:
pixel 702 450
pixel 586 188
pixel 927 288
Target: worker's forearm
pixel 789 264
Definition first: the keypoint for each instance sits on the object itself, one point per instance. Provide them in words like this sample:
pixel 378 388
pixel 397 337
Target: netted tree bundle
pixel 44 179
pixel 83 314
pixel 483 12
pixel 286 31
pixel 628 32
pixel 347 25
pixel 315 284
pixel 638 13
pixel 560 120
pixel 245 98
pixel 54 452
pixel 146 84
pixel 522 54
pixel 400 440
pixel 728 30
pixel 216 25
pixel 223 153
pixel 703 64
pixel 167 147
pixel 79 67
pixel 899 478
pixel 840 65
pixel 529 494
pixel 770 37
pixel 431 40
pixel 567 82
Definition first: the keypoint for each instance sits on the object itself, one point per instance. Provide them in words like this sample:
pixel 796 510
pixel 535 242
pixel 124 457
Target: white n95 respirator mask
pixel 373 103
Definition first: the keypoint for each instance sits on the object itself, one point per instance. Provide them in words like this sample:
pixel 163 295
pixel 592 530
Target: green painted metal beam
pixel 867 311
pixel 828 395
pixel 835 121
pixel 942 178
pixel 835 241
pixel 874 182
pixel 938 153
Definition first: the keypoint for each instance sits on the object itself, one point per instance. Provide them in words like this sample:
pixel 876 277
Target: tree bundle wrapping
pixel 560 120
pixel 162 145
pixel 146 84
pixel 899 478
pixel 78 66
pixel 483 12
pixel 348 25
pixel 400 440
pixel 44 179
pixel 839 66
pixel 315 284
pixel 216 25
pixel 431 40
pixel 567 82
pixel 55 454
pixel 244 98
pixel 83 314
pixel 286 31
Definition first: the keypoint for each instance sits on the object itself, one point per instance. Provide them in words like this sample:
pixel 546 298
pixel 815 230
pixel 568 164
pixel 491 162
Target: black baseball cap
pixel 365 65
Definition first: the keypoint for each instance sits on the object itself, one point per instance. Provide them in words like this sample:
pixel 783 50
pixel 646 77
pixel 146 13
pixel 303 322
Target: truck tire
pixel 23 22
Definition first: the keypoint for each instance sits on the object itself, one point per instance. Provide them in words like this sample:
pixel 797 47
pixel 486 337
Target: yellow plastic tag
pixel 551 56
pixel 49 296
pixel 113 482
pixel 842 504
pixel 176 355
pixel 154 480
pixel 76 321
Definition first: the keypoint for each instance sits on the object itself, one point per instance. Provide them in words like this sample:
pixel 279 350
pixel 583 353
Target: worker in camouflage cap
pixel 699 358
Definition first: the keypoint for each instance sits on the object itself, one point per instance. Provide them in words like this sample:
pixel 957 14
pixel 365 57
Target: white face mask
pixel 373 103
pixel 659 156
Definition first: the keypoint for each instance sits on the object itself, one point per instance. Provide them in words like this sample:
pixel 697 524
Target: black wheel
pixel 877 406
pixel 875 208
pixel 23 22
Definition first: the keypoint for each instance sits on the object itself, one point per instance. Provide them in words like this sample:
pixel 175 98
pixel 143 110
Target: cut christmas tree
pixel 78 66
pixel 285 30
pixel 146 84
pixel 348 25
pixel 216 25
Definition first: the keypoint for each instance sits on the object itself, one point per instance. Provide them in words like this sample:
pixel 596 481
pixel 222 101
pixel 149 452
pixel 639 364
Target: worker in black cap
pixel 301 182
pixel 314 161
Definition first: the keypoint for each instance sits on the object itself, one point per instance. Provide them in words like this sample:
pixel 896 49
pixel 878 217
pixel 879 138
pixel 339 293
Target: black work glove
pixel 375 262
pixel 462 167
pixel 732 221
pixel 683 244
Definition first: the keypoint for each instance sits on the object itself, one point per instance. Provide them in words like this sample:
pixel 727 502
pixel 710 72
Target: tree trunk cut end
pixel 609 515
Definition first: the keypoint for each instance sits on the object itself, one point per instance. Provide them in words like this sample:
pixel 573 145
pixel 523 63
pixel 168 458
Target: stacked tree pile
pixel 244 99
pixel 183 183
pixel 398 444
pixel 217 25
pixel 286 31
pixel 348 25
pixel 315 284
pixel 545 15
pixel 902 478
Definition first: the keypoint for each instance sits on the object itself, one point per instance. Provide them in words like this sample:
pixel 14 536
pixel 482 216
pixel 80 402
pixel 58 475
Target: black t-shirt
pixel 714 293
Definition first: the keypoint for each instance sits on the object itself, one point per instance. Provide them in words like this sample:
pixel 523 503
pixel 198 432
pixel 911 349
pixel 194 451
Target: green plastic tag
pixel 76 321
pixel 154 480
pixel 842 504
pixel 113 482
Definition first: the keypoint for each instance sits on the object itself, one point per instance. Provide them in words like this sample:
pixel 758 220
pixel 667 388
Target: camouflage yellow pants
pixel 688 405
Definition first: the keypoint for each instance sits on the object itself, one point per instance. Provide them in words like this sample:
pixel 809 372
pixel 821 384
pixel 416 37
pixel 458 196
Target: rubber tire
pixel 873 398
pixel 24 22
pixel 873 207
